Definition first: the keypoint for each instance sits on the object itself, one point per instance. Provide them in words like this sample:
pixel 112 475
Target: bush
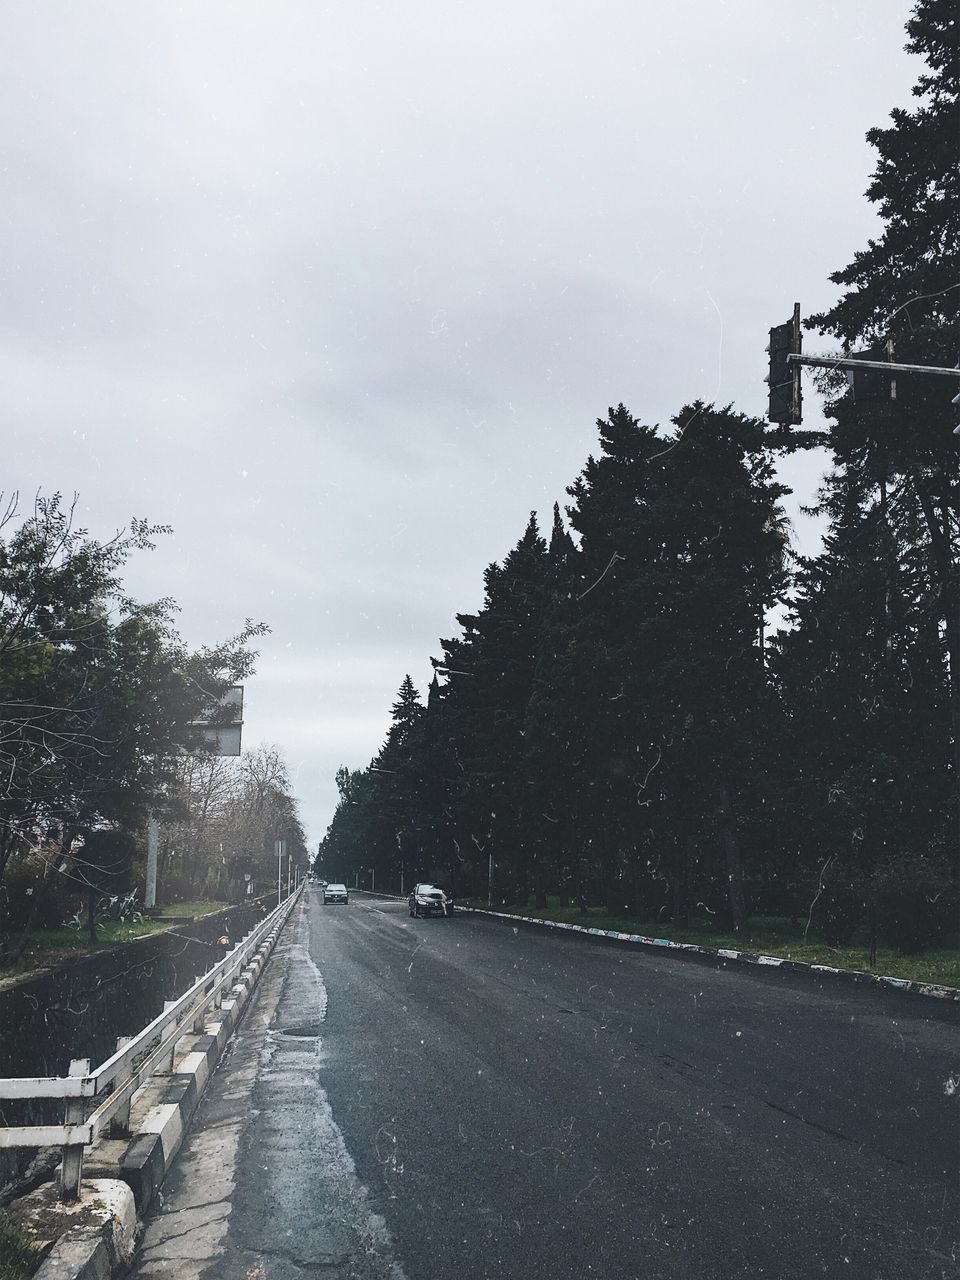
pixel 840 908
pixel 653 897
pixel 916 902
pixel 177 886
pixel 22 884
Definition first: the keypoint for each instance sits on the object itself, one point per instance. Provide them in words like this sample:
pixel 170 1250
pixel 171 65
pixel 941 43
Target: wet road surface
pixel 459 1099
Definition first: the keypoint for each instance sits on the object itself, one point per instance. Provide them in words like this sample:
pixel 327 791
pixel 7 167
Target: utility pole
pixel 280 847
pixel 153 846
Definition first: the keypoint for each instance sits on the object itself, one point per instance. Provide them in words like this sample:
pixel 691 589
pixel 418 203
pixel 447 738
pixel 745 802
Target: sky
pixel 338 290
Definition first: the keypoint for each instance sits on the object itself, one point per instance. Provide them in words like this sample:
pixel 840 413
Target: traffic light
pixel 870 386
pixel 783 378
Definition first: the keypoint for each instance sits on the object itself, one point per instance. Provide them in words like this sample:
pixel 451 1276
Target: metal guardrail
pixel 112 1085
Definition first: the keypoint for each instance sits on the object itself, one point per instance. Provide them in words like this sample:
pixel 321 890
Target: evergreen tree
pixel 547 777
pixel 861 674
pixel 680 537
pixel 490 674
pixel 397 792
pixel 905 287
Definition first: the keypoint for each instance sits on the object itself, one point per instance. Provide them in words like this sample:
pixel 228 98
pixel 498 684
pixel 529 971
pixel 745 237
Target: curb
pixel 93 1236
pixel 906 985
pixel 136 1166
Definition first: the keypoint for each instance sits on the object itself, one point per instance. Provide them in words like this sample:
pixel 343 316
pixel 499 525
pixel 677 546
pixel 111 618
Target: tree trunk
pixel 66 841
pixel 38 891
pixel 539 885
pixel 92 914
pixel 680 915
pixel 731 846
pixel 948 577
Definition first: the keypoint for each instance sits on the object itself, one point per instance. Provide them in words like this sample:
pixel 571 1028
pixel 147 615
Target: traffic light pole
pixel 885 366
pixel 857 364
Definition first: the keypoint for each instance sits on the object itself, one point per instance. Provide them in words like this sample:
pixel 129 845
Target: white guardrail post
pixel 73 1153
pixel 113 1084
pixel 120 1122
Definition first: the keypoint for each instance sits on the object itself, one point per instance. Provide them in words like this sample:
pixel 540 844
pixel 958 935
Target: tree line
pixel 620 723
pixel 99 698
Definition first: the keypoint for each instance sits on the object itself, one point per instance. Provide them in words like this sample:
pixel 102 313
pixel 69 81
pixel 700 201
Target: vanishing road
pixel 460 1099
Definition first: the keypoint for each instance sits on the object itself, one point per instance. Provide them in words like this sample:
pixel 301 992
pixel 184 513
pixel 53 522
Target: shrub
pixel 22 884
pixel 839 912
pixel 915 900
pixel 839 904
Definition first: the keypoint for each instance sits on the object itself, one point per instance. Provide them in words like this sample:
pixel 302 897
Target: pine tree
pixel 548 770
pixel 680 537
pixel 396 793
pixel 861 674
pixel 490 672
pixel 905 286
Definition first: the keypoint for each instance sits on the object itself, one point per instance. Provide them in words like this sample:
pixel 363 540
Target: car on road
pixel 334 893
pixel 430 900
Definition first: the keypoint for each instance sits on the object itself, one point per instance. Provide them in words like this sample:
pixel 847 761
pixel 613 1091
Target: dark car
pixel 430 900
pixel 334 893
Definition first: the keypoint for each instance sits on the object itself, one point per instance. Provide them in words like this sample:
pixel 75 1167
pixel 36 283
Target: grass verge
pixel 770 936
pixel 49 946
pixel 190 909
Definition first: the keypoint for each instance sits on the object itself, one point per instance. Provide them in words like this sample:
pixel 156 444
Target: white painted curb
pixel 930 990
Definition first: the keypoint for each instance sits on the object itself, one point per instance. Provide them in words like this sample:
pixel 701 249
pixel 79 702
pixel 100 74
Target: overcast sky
pixel 338 290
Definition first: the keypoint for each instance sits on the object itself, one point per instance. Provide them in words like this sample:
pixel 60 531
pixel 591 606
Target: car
pixel 430 900
pixel 334 893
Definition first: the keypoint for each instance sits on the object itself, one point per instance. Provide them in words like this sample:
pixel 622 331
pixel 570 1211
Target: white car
pixel 334 893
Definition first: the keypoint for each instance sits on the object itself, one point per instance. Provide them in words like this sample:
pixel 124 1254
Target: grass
pixel 770 936
pixel 49 946
pixel 189 909
pixel 18 1258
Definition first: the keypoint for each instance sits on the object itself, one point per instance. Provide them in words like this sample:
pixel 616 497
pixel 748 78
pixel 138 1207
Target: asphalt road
pixel 457 1099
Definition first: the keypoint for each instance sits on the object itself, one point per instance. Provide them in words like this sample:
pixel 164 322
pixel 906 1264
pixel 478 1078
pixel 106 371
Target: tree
pixel 56 585
pixel 342 849
pixel 97 692
pixel 102 865
pixel 905 286
pixel 861 676
pixel 548 773
pixel 396 791
pixel 680 556
pixel 489 673
pixel 261 811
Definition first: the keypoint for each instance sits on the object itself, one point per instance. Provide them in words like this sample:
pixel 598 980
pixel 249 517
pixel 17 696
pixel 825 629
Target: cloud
pixel 338 291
